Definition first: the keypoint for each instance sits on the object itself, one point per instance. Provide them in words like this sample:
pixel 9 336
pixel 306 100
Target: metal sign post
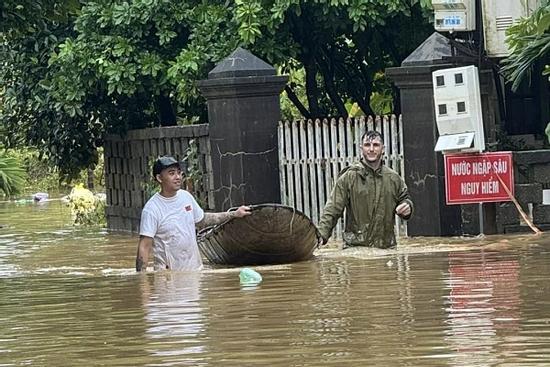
pixel 480 211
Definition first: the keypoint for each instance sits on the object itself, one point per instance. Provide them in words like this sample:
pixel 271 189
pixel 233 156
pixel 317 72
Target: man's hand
pixel 242 211
pixel 212 219
pixel 403 209
pixel 144 247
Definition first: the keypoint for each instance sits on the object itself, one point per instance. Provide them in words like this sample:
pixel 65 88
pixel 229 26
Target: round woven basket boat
pixel 272 234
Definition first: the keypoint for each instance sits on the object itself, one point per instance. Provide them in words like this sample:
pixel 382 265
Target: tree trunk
pixel 365 100
pixel 166 111
pixel 296 102
pixel 328 78
pixel 312 90
pixel 91 177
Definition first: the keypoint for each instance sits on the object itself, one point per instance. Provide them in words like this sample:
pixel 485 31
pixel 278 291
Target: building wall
pixel 532 176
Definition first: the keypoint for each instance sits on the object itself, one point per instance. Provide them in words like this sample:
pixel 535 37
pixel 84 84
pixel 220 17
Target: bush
pixel 12 175
pixel 44 177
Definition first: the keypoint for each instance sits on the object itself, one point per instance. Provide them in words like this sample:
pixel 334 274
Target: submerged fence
pixel 312 153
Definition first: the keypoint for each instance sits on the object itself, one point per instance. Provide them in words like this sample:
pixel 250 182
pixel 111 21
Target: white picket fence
pixel 312 153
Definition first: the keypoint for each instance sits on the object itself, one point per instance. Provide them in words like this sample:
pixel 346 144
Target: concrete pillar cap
pixel 241 63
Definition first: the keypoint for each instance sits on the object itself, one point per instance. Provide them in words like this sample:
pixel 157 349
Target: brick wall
pixel 127 161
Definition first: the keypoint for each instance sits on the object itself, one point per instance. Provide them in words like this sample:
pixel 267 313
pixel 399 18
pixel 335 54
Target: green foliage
pixel 113 68
pixel 341 45
pixel 44 176
pixel 296 82
pixel 354 110
pixel 41 176
pixel 74 72
pixel 194 175
pixel 381 100
pixel 149 185
pixel 26 108
pixel 529 42
pixel 141 50
pixel 97 172
pixel 27 16
pixel 12 175
pixel 381 104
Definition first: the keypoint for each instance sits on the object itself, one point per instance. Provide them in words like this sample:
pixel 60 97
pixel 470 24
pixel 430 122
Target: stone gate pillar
pixel 242 94
pixel 424 168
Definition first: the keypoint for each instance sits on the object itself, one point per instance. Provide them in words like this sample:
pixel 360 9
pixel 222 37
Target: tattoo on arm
pixel 144 247
pixel 139 263
pixel 211 219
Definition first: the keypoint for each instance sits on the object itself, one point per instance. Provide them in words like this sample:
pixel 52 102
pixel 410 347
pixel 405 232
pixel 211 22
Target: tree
pixel 341 45
pixel 529 42
pixel 29 32
pixel 120 65
pixel 145 51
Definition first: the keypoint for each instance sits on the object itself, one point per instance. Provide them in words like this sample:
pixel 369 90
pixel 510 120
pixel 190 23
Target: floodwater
pixel 70 297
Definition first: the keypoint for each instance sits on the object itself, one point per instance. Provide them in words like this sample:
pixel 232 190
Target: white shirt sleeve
pixel 197 210
pixel 148 225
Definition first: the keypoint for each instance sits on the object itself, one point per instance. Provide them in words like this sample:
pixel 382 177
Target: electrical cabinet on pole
pixel 454 15
pixel 457 102
pixel 498 16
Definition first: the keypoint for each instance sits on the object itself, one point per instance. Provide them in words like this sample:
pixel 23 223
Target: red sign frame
pixel 478 177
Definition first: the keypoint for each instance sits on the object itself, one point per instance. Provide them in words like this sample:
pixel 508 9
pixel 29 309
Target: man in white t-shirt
pixel 168 222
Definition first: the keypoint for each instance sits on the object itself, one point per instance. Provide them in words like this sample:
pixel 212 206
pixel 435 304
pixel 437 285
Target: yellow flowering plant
pixel 86 208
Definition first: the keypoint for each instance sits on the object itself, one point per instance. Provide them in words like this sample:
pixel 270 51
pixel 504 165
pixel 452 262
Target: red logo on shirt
pixel 188 208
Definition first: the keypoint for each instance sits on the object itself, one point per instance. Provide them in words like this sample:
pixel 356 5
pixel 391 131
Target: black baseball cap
pixel 164 162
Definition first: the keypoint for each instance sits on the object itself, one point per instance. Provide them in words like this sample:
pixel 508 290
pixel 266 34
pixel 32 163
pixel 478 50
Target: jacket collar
pixel 367 170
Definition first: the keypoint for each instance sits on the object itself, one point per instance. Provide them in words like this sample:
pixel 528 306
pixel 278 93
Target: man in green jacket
pixel 372 194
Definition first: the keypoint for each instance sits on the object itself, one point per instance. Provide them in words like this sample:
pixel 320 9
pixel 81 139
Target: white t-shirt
pixel 171 224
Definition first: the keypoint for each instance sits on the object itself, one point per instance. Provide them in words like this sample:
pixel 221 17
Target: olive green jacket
pixel 370 198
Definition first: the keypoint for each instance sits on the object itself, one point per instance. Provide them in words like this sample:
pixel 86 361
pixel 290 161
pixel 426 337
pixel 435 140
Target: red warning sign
pixel 478 178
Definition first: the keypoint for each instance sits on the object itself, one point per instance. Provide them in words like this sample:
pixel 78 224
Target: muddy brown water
pixel 70 297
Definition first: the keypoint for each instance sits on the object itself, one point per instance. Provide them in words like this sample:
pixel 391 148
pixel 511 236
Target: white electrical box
pixel 454 15
pixel 457 102
pixel 498 16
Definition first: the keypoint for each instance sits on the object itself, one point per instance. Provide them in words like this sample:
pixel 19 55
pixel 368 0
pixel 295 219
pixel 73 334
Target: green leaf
pixel 543 24
pixel 12 175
